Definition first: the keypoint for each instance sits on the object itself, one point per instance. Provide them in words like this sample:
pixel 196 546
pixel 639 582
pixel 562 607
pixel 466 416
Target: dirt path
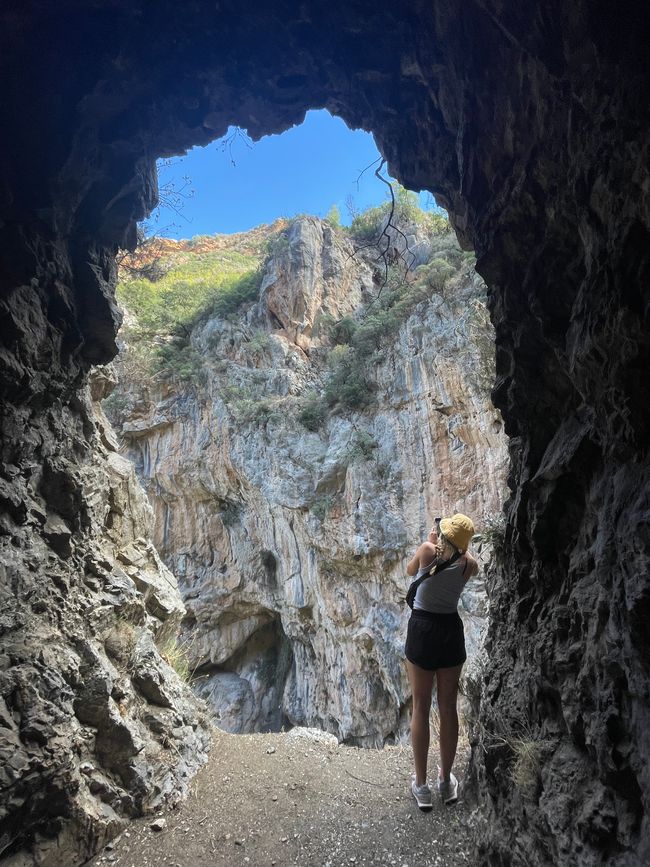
pixel 299 799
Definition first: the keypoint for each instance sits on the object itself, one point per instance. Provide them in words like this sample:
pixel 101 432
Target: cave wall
pixel 530 123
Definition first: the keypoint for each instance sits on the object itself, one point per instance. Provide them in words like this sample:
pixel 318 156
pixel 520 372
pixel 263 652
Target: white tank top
pixel 439 594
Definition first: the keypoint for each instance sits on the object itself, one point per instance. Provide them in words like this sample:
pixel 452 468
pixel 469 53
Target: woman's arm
pixel 424 556
pixel 471 566
pixel 413 564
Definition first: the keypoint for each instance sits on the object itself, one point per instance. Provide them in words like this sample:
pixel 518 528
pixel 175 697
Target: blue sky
pixel 235 184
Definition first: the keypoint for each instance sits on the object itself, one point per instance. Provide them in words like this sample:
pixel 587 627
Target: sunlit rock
pixel 290 544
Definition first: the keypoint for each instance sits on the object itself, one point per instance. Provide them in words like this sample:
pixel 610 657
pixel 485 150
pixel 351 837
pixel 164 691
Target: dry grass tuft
pixel 176 655
pixel 525 770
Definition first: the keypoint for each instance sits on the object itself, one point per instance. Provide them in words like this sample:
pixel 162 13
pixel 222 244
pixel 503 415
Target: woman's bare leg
pixel 422 688
pixel 447 693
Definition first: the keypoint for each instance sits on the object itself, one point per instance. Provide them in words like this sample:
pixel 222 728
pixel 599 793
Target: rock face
pixel 291 545
pixel 530 123
pixel 95 725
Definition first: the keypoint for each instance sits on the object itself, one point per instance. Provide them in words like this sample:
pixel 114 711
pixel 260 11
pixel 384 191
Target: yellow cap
pixel 458 530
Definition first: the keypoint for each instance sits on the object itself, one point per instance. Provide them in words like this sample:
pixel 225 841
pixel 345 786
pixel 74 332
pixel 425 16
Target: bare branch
pixel 363 171
pixel 229 140
pixel 383 241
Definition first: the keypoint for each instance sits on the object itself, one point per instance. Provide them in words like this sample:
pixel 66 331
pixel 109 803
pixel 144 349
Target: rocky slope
pixel 290 543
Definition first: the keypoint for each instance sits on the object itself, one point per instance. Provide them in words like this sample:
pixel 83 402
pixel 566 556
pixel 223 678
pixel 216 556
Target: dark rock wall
pixel 530 121
pixel 94 725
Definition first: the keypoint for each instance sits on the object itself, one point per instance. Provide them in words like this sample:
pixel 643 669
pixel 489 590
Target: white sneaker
pixel 422 795
pixel 448 790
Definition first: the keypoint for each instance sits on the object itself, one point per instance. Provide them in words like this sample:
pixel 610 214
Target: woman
pixel 435 647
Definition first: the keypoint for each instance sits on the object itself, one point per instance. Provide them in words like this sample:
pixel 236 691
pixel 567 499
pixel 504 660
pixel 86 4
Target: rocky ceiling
pixel 530 123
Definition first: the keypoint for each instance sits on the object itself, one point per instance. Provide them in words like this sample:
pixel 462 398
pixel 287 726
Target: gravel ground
pixel 299 798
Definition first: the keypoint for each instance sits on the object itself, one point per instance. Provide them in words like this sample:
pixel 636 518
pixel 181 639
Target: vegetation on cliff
pixel 167 292
pixel 162 312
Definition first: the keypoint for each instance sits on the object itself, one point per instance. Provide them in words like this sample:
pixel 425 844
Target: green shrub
pixel 313 414
pixel 436 222
pixel 362 447
pixel 115 403
pixel 438 273
pixel 191 283
pixel 493 533
pixel 259 342
pixel 248 406
pixel 370 335
pixel 407 206
pixel 256 411
pixel 366 226
pixel 277 244
pixel 343 330
pixel 180 361
pixel 231 393
pixel 173 304
pixel 445 246
pixel 322 324
pixel 193 287
pixel 348 385
pixel 234 293
pixel 334 217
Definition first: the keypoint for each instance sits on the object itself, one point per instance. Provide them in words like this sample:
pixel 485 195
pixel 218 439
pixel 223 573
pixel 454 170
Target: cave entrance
pixel 528 125
pixel 300 399
pixel 246 691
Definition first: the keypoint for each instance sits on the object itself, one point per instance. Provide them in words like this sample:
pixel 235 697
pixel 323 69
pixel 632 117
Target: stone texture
pixel 530 122
pixel 290 546
pixel 82 602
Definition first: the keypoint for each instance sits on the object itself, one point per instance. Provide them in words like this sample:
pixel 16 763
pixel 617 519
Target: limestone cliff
pixel 290 543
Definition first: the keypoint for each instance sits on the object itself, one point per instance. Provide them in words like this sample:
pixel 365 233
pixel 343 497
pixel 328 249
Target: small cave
pixel 270 568
pixel 246 692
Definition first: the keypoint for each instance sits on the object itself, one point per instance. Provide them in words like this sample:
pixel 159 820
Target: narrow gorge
pixel 295 451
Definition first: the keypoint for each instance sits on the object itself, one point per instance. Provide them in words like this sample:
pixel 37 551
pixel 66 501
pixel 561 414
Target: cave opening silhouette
pixel 530 128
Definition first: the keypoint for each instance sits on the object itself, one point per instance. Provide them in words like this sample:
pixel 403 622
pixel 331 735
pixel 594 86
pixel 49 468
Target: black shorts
pixel 435 640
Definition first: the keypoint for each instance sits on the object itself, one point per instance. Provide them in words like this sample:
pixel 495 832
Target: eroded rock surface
pixel 291 544
pixel 530 122
pixel 96 726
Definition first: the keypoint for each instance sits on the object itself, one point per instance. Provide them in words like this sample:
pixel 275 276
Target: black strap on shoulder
pixel 447 563
pixel 434 570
